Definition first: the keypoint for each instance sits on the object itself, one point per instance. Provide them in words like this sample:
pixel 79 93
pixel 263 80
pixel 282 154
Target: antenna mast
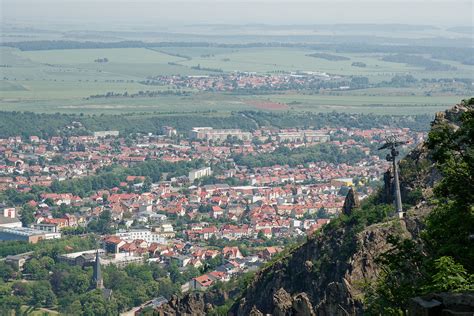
pixel 392 142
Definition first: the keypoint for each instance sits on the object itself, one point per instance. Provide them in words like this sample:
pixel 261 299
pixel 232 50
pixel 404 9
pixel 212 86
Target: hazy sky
pixel 176 12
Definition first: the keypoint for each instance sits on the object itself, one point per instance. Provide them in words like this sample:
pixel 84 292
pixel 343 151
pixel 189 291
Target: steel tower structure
pixel 392 142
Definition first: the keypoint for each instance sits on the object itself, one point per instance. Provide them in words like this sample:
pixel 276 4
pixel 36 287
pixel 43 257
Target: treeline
pixel 139 94
pixel 28 123
pixel 172 54
pixel 419 61
pixel 198 67
pixel 336 119
pixel 46 125
pixel 48 247
pixel 329 57
pixel 453 50
pixel 409 81
pixel 299 156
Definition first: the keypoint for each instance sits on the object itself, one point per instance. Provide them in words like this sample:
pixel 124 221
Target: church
pixel 97 280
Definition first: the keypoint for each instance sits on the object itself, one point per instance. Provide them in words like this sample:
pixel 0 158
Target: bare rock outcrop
pixel 461 304
pixel 351 202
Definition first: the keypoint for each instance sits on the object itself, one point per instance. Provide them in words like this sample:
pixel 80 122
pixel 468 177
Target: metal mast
pixel 391 142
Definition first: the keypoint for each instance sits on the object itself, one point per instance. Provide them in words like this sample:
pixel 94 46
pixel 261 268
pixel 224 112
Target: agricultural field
pixel 361 104
pixel 63 80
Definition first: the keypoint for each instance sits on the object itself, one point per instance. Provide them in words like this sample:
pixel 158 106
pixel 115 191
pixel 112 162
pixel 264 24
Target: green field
pixel 61 80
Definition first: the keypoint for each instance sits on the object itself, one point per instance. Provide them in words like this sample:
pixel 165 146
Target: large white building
pixel 219 135
pixel 26 234
pixel 144 234
pixel 307 136
pixel 102 134
pixel 199 173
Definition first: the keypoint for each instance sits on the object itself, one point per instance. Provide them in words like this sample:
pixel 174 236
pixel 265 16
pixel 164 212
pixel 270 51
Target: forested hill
pixel 47 125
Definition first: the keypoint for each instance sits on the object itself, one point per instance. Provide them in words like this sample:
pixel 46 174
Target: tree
pixel 403 274
pixel 11 303
pixel 93 303
pixel 41 294
pixel 146 185
pixel 450 276
pixel 75 308
pixel 35 269
pixel 27 215
pixel 6 271
pixel 450 224
pixel 261 235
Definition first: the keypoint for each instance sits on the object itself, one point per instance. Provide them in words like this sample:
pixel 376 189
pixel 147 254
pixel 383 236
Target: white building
pixel 144 234
pixel 199 173
pixel 307 136
pixel 208 133
pixel 8 219
pixel 102 134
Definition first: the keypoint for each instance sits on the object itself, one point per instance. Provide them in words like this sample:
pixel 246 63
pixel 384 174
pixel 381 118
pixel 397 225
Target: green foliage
pixel 14 197
pixel 450 276
pixel 152 169
pixel 93 303
pixel 50 248
pixel 103 224
pixel 450 224
pixel 447 232
pixel 69 280
pixel 35 293
pixel 302 155
pixel 9 303
pixel 403 274
pixel 28 123
pixel 419 61
pixel 136 284
pixel 6 271
pixel 47 125
pixel 36 269
pixel 327 56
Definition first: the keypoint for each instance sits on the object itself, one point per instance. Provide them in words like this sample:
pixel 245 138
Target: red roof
pixel 113 240
pixel 204 280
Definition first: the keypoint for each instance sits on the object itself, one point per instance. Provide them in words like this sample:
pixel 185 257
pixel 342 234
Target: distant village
pixel 188 219
pixel 245 80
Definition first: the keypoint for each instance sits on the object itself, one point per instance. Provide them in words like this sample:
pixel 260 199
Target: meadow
pixel 62 80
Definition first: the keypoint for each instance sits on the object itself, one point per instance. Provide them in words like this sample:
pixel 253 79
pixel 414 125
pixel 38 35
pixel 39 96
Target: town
pixel 217 202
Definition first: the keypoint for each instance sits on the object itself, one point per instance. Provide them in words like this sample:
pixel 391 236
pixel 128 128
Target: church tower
pixel 97 276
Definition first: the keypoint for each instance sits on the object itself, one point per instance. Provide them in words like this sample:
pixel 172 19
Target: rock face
pixel 443 304
pixel 351 202
pixel 332 283
pixel 193 304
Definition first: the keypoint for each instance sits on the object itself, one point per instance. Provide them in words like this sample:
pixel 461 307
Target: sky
pixel 180 12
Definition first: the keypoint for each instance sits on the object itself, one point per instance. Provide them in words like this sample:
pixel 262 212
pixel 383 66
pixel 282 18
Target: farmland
pixel 62 80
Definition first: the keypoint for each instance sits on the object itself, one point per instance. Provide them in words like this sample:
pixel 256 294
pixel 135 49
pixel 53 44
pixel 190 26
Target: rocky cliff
pixel 325 276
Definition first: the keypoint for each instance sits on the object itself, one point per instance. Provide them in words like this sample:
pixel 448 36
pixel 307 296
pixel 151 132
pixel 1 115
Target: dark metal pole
pixel 392 143
pixel 398 196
